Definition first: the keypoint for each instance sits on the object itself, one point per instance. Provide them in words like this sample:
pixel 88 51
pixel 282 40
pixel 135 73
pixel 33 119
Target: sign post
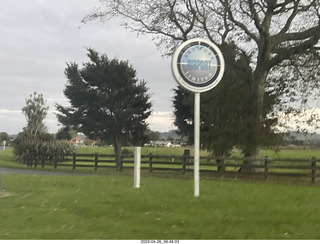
pixel 196 144
pixel 137 164
pixel 198 66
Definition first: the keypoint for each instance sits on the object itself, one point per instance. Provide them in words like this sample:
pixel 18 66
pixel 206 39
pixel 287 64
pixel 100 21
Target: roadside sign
pixel 198 65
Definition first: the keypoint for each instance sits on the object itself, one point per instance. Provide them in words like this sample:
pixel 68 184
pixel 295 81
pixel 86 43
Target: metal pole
pixel 137 163
pixel 196 142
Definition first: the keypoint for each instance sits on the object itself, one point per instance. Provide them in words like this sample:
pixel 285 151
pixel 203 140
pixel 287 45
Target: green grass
pixel 7 160
pixel 297 153
pixel 104 207
pixel 108 207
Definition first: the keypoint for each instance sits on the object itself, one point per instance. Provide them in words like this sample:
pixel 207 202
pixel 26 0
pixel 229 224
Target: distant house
pixel 82 141
pixel 162 144
pixel 93 143
pixel 77 141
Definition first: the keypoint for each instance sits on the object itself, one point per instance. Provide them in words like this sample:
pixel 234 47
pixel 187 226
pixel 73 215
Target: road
pixel 36 172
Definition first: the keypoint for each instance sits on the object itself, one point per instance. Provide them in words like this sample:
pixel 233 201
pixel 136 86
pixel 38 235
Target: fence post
pixel 313 170
pixel 150 162
pixel 137 164
pixel 73 160
pixel 185 159
pixel 266 168
pixel 55 163
pixel 96 161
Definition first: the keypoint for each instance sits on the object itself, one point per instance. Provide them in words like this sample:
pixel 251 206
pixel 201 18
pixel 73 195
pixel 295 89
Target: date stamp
pixel 159 241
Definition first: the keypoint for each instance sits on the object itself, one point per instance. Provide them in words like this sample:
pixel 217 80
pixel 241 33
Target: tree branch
pixel 242 26
pixel 255 16
pixel 287 53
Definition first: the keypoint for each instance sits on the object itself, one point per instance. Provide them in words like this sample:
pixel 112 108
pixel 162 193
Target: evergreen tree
pixel 108 102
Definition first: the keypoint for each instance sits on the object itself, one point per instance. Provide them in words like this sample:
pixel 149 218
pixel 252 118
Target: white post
pixel 137 163
pixel 196 143
pixel 4 145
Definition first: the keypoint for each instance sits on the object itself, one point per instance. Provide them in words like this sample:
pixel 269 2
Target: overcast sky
pixel 38 38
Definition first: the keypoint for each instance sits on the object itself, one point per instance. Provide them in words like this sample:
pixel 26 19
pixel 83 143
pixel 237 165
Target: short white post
pixel 137 163
pixel 4 145
pixel 196 143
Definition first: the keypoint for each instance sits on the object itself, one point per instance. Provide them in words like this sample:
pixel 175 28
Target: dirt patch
pixel 4 194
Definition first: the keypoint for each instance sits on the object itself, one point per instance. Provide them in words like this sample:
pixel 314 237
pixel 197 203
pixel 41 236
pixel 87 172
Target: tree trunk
pixel 250 162
pixel 255 121
pixel 118 153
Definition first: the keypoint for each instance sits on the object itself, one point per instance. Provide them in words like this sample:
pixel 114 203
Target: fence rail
pixel 212 166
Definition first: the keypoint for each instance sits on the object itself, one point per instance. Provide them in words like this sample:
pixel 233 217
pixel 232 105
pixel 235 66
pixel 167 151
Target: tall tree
pixel 183 113
pixel 35 112
pixel 275 36
pixel 108 102
pixel 224 110
pixel 63 133
pixel 4 137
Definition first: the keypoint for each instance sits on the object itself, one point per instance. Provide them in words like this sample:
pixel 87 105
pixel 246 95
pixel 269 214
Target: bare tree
pixel 278 38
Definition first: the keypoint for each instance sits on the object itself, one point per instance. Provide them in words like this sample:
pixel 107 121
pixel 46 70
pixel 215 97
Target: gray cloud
pixel 38 38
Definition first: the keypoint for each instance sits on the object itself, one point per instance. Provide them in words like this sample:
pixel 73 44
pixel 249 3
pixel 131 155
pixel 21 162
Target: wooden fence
pixel 230 167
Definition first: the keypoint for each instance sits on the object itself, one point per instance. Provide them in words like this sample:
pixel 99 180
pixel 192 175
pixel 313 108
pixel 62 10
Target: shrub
pixel 34 149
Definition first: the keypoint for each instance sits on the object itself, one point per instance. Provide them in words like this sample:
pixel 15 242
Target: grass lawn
pixel 108 207
pixel 294 153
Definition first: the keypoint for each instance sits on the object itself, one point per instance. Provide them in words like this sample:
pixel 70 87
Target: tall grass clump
pixel 34 149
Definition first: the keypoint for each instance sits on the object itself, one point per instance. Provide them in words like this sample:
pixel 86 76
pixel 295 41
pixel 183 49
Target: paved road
pixel 36 172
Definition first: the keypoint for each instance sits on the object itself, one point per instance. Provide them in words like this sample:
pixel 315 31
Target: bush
pixel 34 149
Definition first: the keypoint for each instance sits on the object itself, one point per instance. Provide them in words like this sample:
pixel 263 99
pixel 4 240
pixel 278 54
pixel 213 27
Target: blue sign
pixel 198 65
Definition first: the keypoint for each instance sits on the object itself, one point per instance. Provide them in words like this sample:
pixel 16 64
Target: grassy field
pixel 106 207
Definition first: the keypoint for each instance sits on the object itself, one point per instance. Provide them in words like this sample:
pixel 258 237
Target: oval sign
pixel 198 65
